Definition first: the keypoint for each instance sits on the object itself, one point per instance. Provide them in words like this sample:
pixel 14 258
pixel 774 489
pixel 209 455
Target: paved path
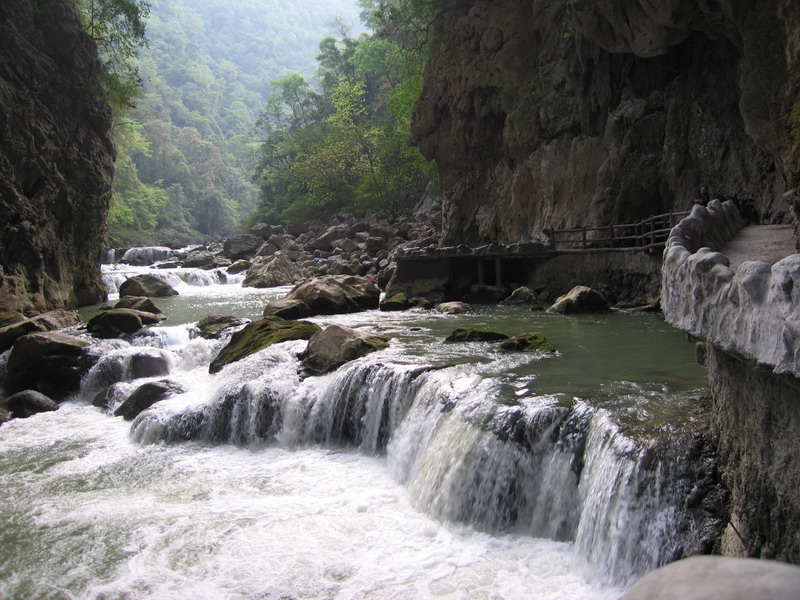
pixel 769 243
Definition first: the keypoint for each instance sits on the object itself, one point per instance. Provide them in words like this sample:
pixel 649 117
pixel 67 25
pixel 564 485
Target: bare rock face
pixel 56 159
pixel 546 114
pixel 336 345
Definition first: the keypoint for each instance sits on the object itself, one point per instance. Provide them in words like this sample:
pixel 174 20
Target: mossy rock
pixel 259 335
pixel 464 334
pixel 339 344
pixel 527 342
pixel 397 302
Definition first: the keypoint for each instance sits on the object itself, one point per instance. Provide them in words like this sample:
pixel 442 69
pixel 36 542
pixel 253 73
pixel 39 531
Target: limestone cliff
pixel 56 158
pixel 561 113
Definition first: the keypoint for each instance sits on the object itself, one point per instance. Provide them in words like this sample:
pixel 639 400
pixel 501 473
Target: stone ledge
pixel 751 312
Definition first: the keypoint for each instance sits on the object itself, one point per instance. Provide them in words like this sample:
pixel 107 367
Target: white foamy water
pixel 89 514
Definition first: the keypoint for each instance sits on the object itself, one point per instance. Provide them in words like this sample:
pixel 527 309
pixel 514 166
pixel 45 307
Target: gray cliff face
pixel 56 158
pixel 549 114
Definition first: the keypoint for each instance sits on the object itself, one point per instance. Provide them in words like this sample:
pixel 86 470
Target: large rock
pixel 27 403
pixel 259 335
pixel 707 577
pixel 56 158
pixel 453 308
pixel 142 303
pixel 120 321
pixel 146 285
pixel 396 303
pixel 325 240
pixel 49 321
pixel 580 299
pixel 286 308
pixel 335 294
pixel 241 246
pixel 335 345
pixel 527 342
pixel 212 326
pixel 272 272
pixel 463 334
pixel 145 396
pixel 200 259
pixel 50 362
pixel 521 295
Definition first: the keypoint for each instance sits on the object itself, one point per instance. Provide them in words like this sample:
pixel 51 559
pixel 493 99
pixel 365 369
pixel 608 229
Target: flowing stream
pixel 428 470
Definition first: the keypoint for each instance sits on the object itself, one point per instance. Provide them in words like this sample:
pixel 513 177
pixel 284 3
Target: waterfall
pixel 537 468
pixel 146 255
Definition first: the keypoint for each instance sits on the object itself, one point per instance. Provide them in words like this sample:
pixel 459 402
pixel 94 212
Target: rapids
pixel 424 471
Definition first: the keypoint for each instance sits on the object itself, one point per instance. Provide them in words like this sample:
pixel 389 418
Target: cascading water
pixel 498 449
pixel 146 255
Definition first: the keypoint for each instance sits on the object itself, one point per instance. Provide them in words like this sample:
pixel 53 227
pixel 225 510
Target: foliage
pixel 346 146
pixel 205 75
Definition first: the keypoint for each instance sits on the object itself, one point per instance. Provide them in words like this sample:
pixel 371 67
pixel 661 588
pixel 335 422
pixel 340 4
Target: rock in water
pixel 120 321
pixel 212 326
pixel 52 363
pixel 396 303
pixel 475 335
pixel 259 335
pixel 454 308
pixel 241 246
pixel 521 295
pixel 334 294
pixel 286 308
pixel 527 342
pixel 337 344
pixel 146 285
pixel 142 303
pixel 29 402
pixel 580 299
pixel 56 158
pixel 145 396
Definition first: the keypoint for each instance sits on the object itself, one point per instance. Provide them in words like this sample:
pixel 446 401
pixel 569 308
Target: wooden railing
pixel 649 234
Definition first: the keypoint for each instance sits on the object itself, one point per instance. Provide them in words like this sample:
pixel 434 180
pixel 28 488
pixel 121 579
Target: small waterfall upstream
pixel 533 468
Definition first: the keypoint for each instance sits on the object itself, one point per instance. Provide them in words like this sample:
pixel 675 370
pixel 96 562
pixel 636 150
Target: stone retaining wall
pixel 751 312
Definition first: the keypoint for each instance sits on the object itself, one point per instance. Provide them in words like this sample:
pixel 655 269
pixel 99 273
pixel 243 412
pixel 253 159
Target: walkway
pixel 769 243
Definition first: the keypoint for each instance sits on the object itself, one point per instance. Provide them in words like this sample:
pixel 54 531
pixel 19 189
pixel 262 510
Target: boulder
pixel 527 342
pixel 272 272
pixel 580 299
pixel 337 344
pixel 395 303
pixel 212 326
pixel 27 403
pixel 145 396
pixel 199 259
pixel 147 363
pixel 521 295
pixel 373 245
pixel 463 334
pixel 244 245
pixel 703 577
pixel 142 303
pixel 9 317
pixel 50 362
pixel 264 230
pixel 239 266
pixel 49 321
pixel 298 228
pixel 454 308
pixel 259 335
pixel 324 241
pixel 267 250
pixel 335 294
pixel 120 321
pixel 286 308
pixel 146 285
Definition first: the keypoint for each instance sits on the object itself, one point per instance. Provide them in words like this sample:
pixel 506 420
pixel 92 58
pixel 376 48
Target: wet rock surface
pixel 145 396
pixel 27 403
pixel 336 345
pixel 146 285
pixel 580 300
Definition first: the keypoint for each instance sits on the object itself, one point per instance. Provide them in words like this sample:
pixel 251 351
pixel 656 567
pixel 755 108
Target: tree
pixel 118 28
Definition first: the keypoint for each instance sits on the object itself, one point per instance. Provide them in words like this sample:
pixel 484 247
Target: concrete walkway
pixel 769 243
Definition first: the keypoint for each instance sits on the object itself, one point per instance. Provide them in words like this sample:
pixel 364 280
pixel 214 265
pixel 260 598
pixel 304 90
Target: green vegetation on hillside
pixel 345 146
pixel 187 152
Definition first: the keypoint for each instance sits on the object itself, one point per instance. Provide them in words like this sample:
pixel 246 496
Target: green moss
pixel 527 342
pixel 259 335
pixel 463 334
pixel 396 302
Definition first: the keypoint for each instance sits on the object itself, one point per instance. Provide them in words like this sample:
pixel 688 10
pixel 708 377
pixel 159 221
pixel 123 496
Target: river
pixel 428 470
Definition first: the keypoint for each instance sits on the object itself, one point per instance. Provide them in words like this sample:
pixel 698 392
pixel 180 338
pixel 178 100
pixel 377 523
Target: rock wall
pixel 56 158
pixel 561 113
pixel 748 319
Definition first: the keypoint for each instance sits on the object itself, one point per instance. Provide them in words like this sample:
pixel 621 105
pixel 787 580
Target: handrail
pixel 650 233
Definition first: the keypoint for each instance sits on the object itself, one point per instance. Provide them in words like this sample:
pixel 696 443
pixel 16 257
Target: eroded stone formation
pixel 56 158
pixel 546 114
